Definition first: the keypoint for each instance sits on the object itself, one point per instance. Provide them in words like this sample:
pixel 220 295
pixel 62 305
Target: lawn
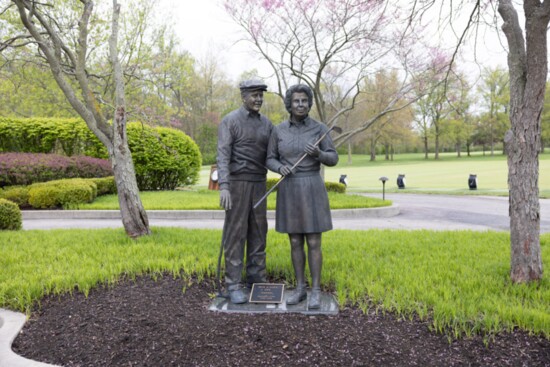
pixel 457 280
pixel 210 200
pixel 448 175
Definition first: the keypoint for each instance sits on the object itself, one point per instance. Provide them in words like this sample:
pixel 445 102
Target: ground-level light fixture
pixel 401 181
pixel 472 182
pixel 383 179
pixel 344 179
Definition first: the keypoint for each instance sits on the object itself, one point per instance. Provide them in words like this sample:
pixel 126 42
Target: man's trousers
pixel 245 227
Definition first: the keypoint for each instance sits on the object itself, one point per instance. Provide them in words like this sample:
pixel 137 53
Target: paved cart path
pixel 415 211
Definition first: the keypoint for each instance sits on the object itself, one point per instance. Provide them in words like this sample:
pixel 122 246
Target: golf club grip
pixel 292 168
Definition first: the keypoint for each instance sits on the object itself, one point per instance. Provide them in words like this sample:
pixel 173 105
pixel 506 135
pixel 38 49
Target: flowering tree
pixel 332 46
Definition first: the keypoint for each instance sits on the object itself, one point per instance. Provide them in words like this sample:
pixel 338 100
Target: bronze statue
pixel 243 136
pixel 302 202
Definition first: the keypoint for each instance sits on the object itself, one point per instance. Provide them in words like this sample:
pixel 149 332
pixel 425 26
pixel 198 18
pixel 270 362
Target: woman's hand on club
pixel 285 170
pixel 313 150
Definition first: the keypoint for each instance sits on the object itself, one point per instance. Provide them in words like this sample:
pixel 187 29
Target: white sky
pixel 205 29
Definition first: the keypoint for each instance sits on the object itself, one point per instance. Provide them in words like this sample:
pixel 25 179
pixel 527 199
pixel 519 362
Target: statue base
pixel 329 306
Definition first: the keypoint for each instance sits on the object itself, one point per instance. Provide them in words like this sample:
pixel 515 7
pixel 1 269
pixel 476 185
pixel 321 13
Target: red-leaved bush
pixel 28 168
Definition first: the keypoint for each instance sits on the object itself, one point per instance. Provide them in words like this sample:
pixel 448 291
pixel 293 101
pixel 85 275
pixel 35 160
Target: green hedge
pixel 105 185
pixel 59 193
pixel 49 135
pixel 164 158
pixel 62 193
pixel 17 194
pixel 335 187
pixel 10 215
pixel 28 168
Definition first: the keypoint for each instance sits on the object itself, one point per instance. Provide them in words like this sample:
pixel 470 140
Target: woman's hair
pixel 298 88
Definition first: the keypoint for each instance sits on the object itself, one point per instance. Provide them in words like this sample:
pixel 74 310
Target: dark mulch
pixel 153 323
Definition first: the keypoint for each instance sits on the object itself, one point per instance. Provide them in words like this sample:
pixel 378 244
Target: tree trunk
pixel 425 147
pixel 112 136
pixel 528 69
pixel 436 156
pixel 134 217
pixel 458 149
pixel 526 262
pixel 349 152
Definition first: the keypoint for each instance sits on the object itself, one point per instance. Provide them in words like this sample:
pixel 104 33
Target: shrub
pixel 17 194
pixel 28 168
pixel 62 193
pixel 335 187
pixel 10 215
pixel 163 158
pixel 49 135
pixel 105 185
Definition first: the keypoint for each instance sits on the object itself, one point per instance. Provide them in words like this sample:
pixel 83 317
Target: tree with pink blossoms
pixel 332 46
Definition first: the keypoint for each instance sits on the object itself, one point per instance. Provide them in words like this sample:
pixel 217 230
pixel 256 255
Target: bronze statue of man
pixel 243 136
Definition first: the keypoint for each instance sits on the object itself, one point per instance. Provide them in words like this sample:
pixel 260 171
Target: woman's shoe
pixel 315 299
pixel 297 296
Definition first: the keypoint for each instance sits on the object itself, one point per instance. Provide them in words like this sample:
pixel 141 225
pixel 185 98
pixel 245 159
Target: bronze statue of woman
pixel 302 202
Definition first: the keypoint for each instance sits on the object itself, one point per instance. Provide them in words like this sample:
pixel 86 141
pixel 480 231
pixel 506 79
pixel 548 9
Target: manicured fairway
pixel 447 175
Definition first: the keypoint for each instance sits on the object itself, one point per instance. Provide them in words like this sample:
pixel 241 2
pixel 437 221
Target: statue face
pixel 299 105
pixel 253 101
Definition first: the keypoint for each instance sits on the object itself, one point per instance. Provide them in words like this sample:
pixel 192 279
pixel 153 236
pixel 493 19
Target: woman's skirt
pixel 302 204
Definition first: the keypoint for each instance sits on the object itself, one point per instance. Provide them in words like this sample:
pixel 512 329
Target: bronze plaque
pixel 267 293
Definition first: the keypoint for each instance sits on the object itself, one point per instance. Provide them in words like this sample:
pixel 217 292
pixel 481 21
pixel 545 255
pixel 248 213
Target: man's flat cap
pixel 253 84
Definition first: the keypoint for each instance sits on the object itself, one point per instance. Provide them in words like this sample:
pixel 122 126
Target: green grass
pixel 210 200
pixel 457 280
pixel 448 175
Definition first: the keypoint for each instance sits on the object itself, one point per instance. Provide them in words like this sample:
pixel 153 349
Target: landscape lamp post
pixel 383 179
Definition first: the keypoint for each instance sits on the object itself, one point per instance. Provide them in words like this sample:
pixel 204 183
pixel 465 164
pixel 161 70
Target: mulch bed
pixel 146 322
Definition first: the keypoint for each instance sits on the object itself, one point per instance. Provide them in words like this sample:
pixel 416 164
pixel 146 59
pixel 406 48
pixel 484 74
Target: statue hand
pixel 285 170
pixel 225 199
pixel 313 150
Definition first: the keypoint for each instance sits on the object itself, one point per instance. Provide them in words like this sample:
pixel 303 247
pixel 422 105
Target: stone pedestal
pixel 329 306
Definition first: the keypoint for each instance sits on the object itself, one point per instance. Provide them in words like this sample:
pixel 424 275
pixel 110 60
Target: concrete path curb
pixel 11 324
pixel 382 212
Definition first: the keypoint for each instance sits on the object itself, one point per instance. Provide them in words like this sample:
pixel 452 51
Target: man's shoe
pixel 237 296
pixel 314 299
pixel 297 296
